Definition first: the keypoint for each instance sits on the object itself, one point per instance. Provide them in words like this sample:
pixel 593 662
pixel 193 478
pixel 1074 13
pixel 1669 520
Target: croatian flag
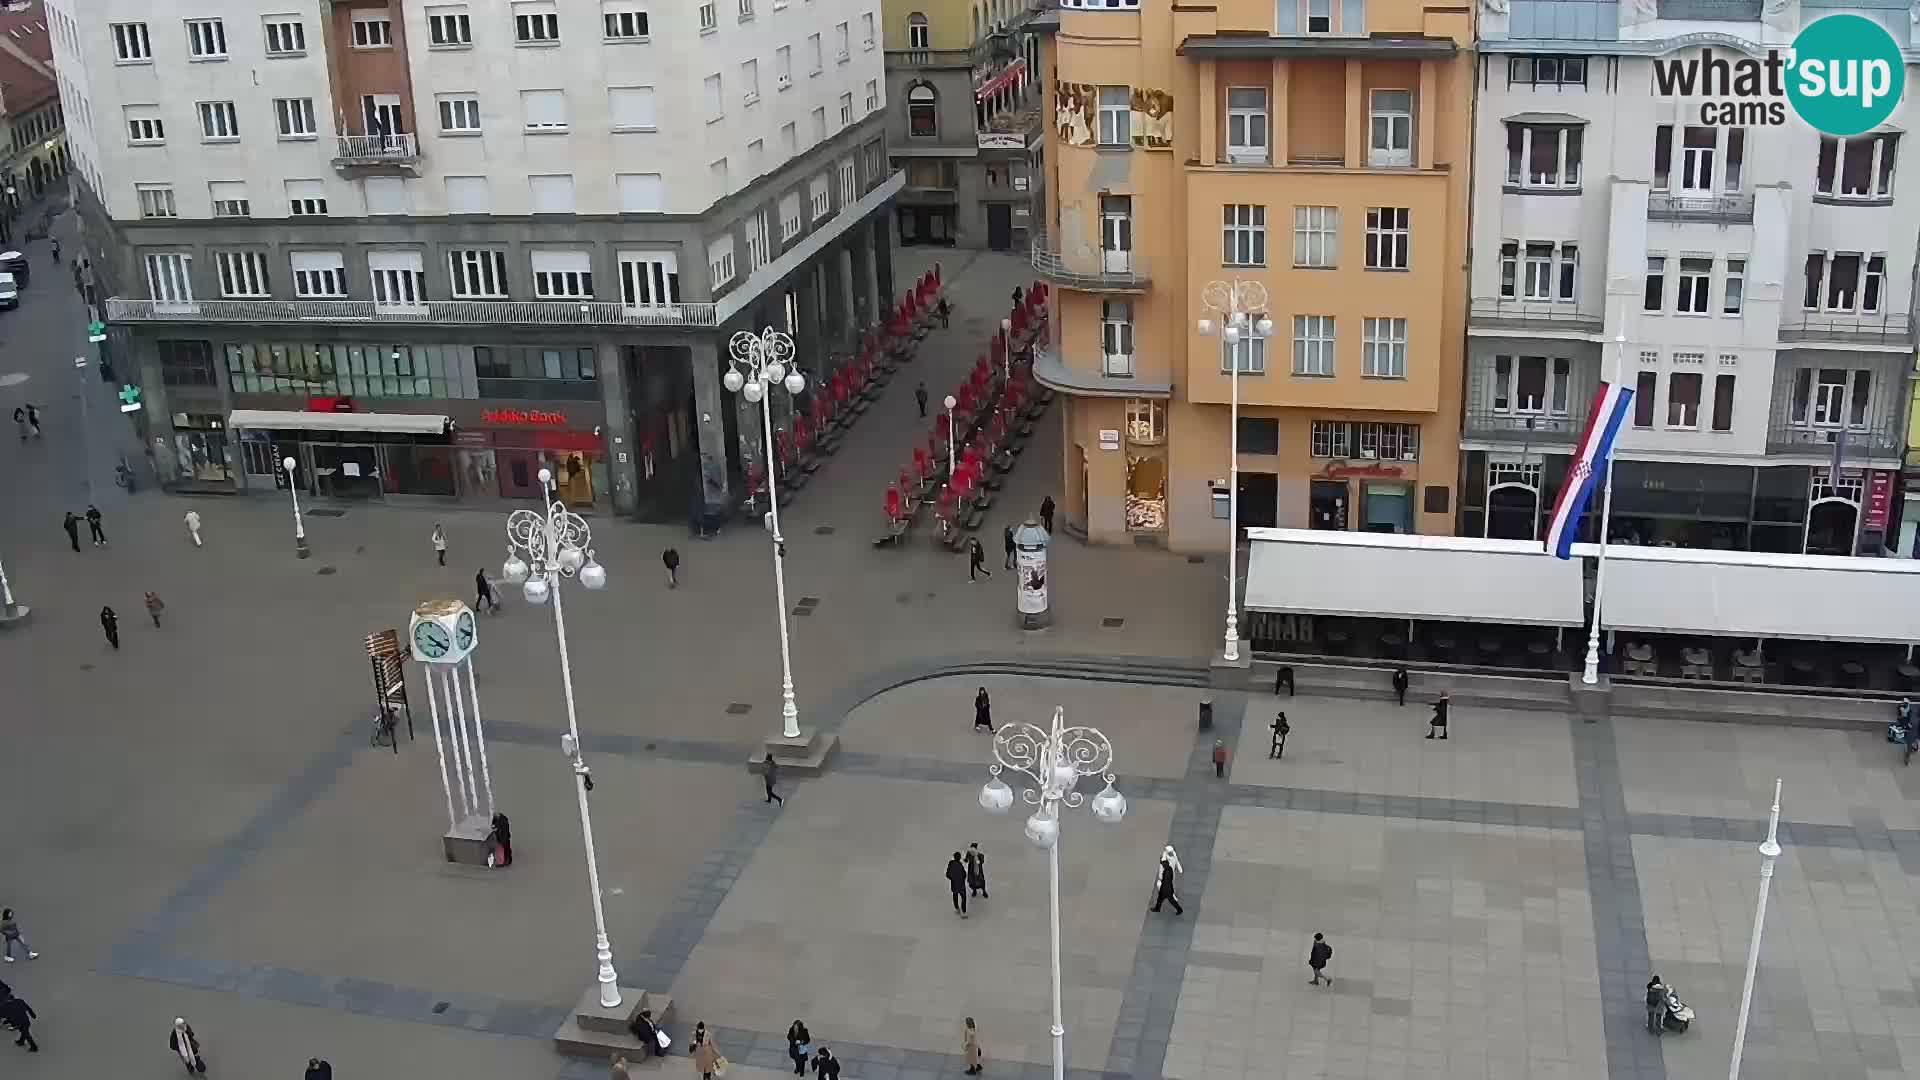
pixel 1610 407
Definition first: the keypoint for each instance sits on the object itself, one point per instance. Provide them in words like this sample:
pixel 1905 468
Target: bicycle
pixel 385 731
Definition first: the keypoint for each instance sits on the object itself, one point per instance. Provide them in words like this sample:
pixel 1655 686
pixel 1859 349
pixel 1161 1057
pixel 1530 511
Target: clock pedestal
pixel 804 756
pixel 469 842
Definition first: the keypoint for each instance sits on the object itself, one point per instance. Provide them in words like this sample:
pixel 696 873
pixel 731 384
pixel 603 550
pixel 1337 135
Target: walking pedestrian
pixel 193 526
pixel 977 871
pixel 945 311
pixel 983 711
pixel 799 1046
pixel 110 623
pixel 318 1069
pixel 18 1015
pixel 919 398
pixel 1172 858
pixel 10 936
pixel 771 772
pixel 1019 295
pixel 20 420
pixel 825 1065
pixel 72 525
pixel 1656 1005
pixel 670 558
pixel 93 526
pixel 1400 685
pixel 33 418
pixel 1281 729
pixel 957 884
pixel 502 839
pixel 1317 958
pixel 440 542
pixel 1439 721
pixel 1220 758
pixel 1283 676
pixel 1163 890
pixel 154 607
pixel 53 245
pixel 976 560
pixel 186 1044
pixel 1007 535
pixel 619 1070
pixel 970 1047
pixel 1046 514
pixel 707 1059
pixel 483 595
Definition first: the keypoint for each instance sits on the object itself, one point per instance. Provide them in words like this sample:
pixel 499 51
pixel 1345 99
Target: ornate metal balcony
pixel 1883 438
pixel 431 313
pixel 1716 209
pixel 1537 315
pixel 1537 429
pixel 1090 271
pixel 361 150
pixel 1892 329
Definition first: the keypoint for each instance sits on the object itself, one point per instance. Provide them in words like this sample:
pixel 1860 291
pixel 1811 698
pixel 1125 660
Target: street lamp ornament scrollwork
pixel 555 541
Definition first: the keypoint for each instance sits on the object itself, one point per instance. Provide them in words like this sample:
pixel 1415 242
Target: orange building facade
pixel 1319 149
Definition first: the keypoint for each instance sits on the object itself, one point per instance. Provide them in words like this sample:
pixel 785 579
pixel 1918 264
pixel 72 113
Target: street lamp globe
pixel 776 371
pixel 753 392
pixel 1231 334
pixel 1043 829
pixel 951 401
pixel 733 381
pixel 546 479
pixel 593 575
pixel 1264 328
pixel 536 590
pixel 995 796
pixel 1065 776
pixel 1206 327
pixel 1109 806
pixel 288 463
pixel 796 383
pixel 571 559
pixel 515 569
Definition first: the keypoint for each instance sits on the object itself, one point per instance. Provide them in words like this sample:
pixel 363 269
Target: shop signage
pixel 1109 439
pixel 1002 140
pixel 329 404
pixel 1879 498
pixel 1341 470
pixel 523 417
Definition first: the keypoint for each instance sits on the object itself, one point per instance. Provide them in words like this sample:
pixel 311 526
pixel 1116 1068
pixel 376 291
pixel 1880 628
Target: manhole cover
pixel 903 598
pixel 1196 560
pixel 326 511
pixel 650 746
pixel 361 550
pixel 327 571
pixel 823 530
pixel 809 601
pixel 802 611
pixel 86 667
pixel 1112 624
pixel 441 1006
pixel 739 708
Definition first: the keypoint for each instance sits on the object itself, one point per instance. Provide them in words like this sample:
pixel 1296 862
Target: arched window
pixel 976 22
pixel 919 34
pixel 922 115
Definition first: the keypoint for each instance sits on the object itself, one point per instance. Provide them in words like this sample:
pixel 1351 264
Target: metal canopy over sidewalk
pixel 402 423
pixel 1394 576
pixel 1756 595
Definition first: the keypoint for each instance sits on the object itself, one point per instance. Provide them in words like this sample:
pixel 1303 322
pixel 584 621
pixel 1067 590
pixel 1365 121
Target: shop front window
pixel 1386 507
pixel 1146 492
pixel 200 448
pixel 1146 422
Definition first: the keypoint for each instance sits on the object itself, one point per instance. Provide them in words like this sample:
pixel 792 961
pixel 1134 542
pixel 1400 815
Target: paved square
pixel 1376 748
pixel 842 919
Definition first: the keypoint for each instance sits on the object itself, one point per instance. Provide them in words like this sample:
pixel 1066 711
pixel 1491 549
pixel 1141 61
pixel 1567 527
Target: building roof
pixel 26 57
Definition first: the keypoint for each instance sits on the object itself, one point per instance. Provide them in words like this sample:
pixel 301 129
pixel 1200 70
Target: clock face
pixel 431 639
pixel 463 631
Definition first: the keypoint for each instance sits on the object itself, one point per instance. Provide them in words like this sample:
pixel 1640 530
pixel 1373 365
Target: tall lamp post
pixel 556 545
pixel 759 363
pixel 1769 851
pixel 1238 302
pixel 1006 348
pixel 299 523
pixel 951 403
pixel 1055 759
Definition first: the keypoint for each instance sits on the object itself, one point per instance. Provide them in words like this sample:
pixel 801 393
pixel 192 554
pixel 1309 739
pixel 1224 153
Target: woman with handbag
pixel 186 1044
pixel 970 1046
pixel 799 1047
pixel 708 1061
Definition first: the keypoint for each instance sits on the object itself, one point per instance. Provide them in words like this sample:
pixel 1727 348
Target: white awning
pixel 1752 595
pixel 274 419
pixel 1391 576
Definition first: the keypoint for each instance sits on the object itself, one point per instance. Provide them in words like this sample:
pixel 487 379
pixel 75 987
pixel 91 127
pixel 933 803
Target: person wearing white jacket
pixel 193 526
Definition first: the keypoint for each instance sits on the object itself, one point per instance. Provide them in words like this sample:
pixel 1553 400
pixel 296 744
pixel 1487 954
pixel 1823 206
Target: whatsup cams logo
pixel 1843 75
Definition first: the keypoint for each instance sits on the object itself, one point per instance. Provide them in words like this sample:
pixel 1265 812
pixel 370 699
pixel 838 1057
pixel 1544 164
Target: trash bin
pixel 1206 714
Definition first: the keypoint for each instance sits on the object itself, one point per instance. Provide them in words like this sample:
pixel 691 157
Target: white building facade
pixel 1753 284
pixel 470 210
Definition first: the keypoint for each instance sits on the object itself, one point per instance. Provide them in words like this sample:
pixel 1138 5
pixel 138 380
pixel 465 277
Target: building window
pixel 1383 348
pixel 758 248
pixel 372 30
pixel 399 280
pixel 1250 352
pixel 1116 337
pixel 552 193
pixel 478 274
pixel 131 44
pixel 1101 5
pixel 144 127
pixel 294 116
pixel 620 21
pixel 641 193
pixel 536 23
pixel 1734 295
pixel 156 201
pixel 746 10
pixel 632 108
pixel 1258 435
pixel 790 220
pixel 186 363
pixel 1531 385
pixel 218 121
pixel 1696 282
pixel 1319 16
pixel 319 275
pixel 471 195
pixel 206 39
pixel 1115 112
pixel 1857 167
pixel 1845 282
pixel 1547 71
pixel 1831 397
pixel 1544 155
pixel 849 183
pixel 449 28
pixel 243 274
pixel 1389 442
pixel 1645 385
pixel 720 261
pixel 649 279
pixel 545 110
pixel 1723 402
pixel 285 36
pixel 459 113
pixel 1247 125
pixel 919 34
pixel 1313 341
pixel 1316 235
pixel 562 275
pixel 1244 235
pixel 820 197
pixel 229 199
pixel 306 198
pixel 1329 439
pixel 1654 296
pixel 842 49
pixel 873 95
pixel 922 112
pixel 813 50
pixel 1683 399
pixel 1146 421
pixel 170 278
pixel 1389 234
pixel 846 109
pixel 1390 122
pixel 709 17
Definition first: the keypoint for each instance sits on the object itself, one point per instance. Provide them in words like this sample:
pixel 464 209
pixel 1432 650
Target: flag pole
pixel 1591 674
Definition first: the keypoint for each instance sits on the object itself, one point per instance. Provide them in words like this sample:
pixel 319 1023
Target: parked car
pixel 15 263
pixel 9 291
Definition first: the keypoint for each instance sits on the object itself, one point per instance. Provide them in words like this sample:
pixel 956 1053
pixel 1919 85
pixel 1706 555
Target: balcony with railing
pixel 1099 376
pixel 1539 428
pixel 358 151
pixel 432 313
pixel 1090 270
pixel 1735 209
pixel 1882 438
pixel 933 58
pixel 1542 316
pixel 1892 329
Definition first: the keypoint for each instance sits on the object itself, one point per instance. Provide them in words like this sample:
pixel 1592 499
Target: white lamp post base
pixel 12 615
pixel 1230 673
pixel 804 754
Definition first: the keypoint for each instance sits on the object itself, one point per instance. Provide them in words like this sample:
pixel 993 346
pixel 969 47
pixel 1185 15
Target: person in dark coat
pixel 483 597
pixel 318 1069
pixel 1400 684
pixel 1317 958
pixel 1439 721
pixel 1019 296
pixel 670 558
pixel 1163 891
pixel 645 1032
pixel 18 1015
pixel 1281 729
pixel 1656 1005
pixel 976 560
pixel 825 1065
pixel 983 711
pixel 33 418
pixel 72 525
pixel 1046 514
pixel 93 526
pixel 919 398
pixel 1008 533
pixel 186 1044
pixel 110 623
pixel 799 1047
pixel 977 871
pixel 771 772
pixel 957 884
pixel 503 838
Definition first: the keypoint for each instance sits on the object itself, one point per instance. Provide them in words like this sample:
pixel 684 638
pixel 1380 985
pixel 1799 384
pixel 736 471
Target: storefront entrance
pixel 926 225
pixel 1259 500
pixel 1327 505
pixel 666 433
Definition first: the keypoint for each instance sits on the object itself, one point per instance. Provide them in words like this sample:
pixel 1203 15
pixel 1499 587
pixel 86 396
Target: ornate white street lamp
pixel 1006 348
pixel 1055 760
pixel 299 523
pixel 1769 851
pixel 951 403
pixel 1238 302
pixel 759 363
pixel 557 544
